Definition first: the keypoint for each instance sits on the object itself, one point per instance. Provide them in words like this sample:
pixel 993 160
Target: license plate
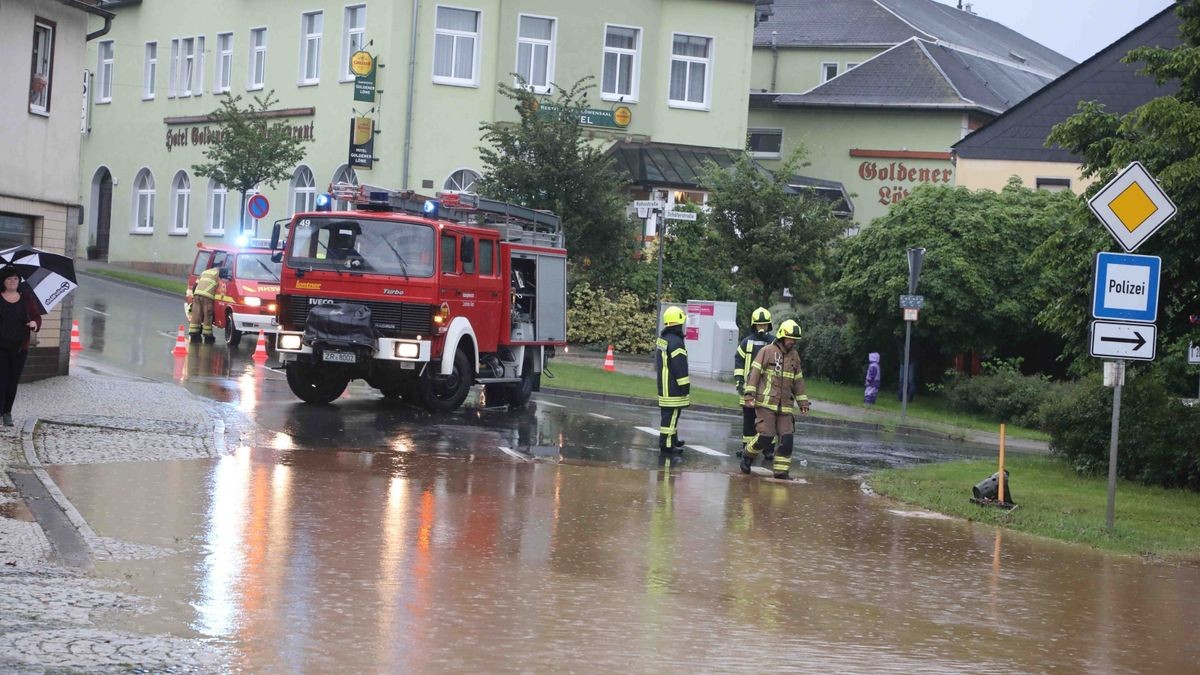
pixel 408 365
pixel 338 357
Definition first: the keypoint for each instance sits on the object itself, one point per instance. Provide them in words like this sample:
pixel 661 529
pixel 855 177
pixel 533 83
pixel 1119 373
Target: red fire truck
pixel 421 298
pixel 249 280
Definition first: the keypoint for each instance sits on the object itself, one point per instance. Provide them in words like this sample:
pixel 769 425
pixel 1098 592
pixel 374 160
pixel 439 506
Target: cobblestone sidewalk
pixel 52 617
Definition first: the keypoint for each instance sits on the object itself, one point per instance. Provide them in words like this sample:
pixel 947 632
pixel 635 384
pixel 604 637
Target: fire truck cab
pixel 246 290
pixel 421 298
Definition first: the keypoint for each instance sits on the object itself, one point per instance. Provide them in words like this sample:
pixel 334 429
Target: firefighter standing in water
pixel 674 387
pixel 759 337
pixel 775 382
pixel 201 317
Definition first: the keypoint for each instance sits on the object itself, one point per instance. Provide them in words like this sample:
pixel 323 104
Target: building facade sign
pixel 208 134
pixel 897 178
pixel 617 118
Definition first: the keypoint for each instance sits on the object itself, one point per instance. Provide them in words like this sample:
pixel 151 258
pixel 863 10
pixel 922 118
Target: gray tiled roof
pixel 919 74
pixel 804 23
pixel 1021 132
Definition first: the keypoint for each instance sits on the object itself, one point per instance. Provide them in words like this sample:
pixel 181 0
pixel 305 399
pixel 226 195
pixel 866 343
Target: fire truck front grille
pixel 391 319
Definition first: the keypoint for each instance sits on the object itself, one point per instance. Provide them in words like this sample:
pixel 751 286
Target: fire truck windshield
pixel 362 245
pixel 256 267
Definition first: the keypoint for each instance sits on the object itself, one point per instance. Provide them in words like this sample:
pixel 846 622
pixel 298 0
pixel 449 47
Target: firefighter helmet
pixel 788 329
pixel 761 315
pixel 673 316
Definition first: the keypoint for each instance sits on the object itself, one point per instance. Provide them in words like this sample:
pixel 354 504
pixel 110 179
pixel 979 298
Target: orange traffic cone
pixel 609 364
pixel 76 345
pixel 260 349
pixel 180 343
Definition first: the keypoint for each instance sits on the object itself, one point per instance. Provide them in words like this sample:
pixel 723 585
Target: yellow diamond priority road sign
pixel 1132 206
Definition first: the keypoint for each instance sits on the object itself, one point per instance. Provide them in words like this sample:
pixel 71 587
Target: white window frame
pixel 217 214
pixel 477 36
pixel 42 65
pixel 181 202
pixel 765 130
pixel 354 38
pixel 298 191
pixel 104 70
pixel 255 52
pixel 223 68
pixel 143 202
pixel 150 71
pixel 451 184
pixel 173 70
pixel 308 36
pixel 707 61
pixel 344 173
pixel 825 70
pixel 533 44
pixel 636 65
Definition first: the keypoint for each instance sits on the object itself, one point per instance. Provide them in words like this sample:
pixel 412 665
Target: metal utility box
pixel 711 336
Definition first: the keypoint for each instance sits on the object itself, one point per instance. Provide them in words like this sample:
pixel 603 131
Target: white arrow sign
pixel 1124 340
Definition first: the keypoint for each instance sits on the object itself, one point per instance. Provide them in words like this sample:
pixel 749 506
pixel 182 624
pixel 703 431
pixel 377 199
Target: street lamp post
pixel 916 256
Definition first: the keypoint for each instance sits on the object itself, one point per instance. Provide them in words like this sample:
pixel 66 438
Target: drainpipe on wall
pixel 95 11
pixel 774 59
pixel 408 105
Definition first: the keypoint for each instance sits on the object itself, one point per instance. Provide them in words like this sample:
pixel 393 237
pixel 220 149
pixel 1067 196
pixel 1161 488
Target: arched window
pixel 181 199
pixel 462 180
pixel 143 201
pixel 344 174
pixel 303 190
pixel 218 207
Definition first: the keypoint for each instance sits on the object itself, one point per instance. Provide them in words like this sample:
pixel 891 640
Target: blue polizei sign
pixel 1126 287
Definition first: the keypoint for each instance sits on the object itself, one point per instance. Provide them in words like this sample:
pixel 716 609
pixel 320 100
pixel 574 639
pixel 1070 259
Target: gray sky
pixel 1074 28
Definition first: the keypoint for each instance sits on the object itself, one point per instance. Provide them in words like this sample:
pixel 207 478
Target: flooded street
pixel 371 536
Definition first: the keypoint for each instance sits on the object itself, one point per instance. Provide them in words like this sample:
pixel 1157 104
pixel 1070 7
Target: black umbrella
pixel 51 276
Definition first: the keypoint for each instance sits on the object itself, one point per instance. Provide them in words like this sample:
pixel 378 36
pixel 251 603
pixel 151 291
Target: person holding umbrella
pixel 19 314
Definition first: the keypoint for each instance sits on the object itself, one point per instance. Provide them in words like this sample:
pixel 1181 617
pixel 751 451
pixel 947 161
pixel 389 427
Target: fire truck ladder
pixel 515 223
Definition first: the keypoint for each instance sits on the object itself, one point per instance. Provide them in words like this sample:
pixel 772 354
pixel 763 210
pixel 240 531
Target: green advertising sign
pixel 362 65
pixel 617 118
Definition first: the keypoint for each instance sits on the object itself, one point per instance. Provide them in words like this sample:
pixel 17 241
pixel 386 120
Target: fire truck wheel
pixel 443 393
pixel 312 385
pixel 515 395
pixel 233 336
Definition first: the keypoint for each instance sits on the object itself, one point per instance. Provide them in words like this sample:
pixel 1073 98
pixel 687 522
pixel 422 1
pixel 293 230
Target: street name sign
pixel 648 204
pixel 1126 287
pixel 680 215
pixel 1132 206
pixel 1112 340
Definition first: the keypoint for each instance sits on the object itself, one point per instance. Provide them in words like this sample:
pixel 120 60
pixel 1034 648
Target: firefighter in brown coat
pixel 775 388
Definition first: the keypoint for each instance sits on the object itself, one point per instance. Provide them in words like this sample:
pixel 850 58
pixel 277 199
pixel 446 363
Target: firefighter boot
pixel 783 458
pixel 747 460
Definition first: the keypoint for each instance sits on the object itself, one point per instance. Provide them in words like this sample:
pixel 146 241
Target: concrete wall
pixel 993 174
pixel 130 133
pixel 799 69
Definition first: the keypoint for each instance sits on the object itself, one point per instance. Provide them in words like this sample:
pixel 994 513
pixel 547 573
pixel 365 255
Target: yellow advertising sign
pixel 361 63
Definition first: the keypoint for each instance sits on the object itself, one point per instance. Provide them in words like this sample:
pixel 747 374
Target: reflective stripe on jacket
pixel 206 283
pixel 671 366
pixel 776 380
pixel 748 349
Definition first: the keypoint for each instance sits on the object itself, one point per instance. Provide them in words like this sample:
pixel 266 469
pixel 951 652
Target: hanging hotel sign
pixel 362 66
pixel 617 118
pixel 362 142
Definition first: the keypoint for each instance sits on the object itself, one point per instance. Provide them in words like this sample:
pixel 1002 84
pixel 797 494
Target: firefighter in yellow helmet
pixel 203 297
pixel 674 387
pixel 775 388
pixel 760 335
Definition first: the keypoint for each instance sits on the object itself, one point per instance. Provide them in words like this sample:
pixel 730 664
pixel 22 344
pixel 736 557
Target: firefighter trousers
pixel 668 429
pixel 768 424
pixel 201 316
pixel 749 434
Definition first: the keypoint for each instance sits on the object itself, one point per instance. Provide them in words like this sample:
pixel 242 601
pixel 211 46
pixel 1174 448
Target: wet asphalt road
pixel 369 536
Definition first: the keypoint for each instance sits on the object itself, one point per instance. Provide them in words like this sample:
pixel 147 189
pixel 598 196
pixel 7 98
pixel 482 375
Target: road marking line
pixel 705 450
pixel 173 336
pixel 552 405
pixel 603 417
pixel 96 311
pixel 514 453
pixel 647 430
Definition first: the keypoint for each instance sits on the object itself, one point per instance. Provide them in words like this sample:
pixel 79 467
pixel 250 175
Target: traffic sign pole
pixel 1112 447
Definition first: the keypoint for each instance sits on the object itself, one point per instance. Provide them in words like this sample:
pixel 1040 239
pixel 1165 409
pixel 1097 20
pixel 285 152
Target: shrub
pixel 1159 435
pixel 1003 393
pixel 825 343
pixel 599 318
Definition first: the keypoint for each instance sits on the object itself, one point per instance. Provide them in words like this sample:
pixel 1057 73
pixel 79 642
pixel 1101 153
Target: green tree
pixel 975 278
pixel 775 237
pixel 545 161
pixel 249 150
pixel 1161 134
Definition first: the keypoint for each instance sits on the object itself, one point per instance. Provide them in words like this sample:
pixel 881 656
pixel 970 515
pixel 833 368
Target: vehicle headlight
pixel 291 341
pixel 407 350
pixel 253 302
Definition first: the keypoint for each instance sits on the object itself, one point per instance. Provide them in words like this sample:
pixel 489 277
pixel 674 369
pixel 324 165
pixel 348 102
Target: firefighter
pixel 759 337
pixel 674 387
pixel 775 382
pixel 200 321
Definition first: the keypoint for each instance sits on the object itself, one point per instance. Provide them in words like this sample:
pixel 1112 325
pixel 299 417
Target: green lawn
pixel 594 379
pixel 1055 502
pixel 171 285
